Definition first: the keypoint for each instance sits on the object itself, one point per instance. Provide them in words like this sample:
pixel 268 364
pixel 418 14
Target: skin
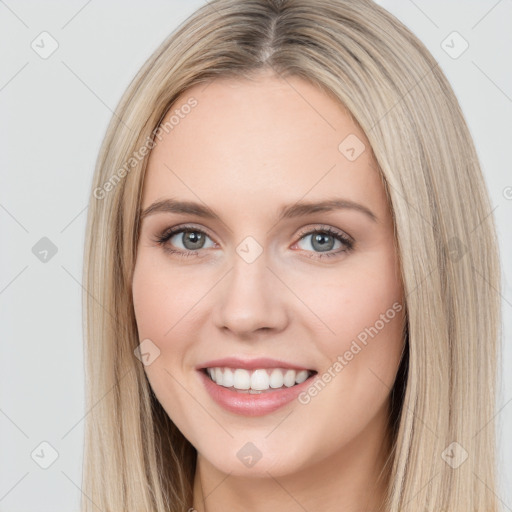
pixel 247 149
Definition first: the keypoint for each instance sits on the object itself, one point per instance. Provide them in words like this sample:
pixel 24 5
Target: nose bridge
pixel 249 299
pixel 249 269
pixel 249 280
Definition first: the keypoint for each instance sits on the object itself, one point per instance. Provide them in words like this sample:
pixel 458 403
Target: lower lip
pixel 249 404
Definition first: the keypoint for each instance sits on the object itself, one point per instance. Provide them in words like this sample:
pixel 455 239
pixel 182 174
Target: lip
pixel 250 364
pixel 247 404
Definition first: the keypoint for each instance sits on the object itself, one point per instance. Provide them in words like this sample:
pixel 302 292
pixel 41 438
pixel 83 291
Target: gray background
pixel 53 116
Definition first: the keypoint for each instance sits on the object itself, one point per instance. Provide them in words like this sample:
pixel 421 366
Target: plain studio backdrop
pixel 56 98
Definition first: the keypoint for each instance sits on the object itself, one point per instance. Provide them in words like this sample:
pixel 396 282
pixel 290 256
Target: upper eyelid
pixel 302 231
pixel 337 231
pixel 174 230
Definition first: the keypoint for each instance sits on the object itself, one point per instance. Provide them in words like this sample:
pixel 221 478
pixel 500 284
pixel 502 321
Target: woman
pixel 291 271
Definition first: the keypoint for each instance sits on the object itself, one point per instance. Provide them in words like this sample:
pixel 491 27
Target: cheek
pixel 157 313
pixel 354 296
pixel 162 297
pixel 362 312
pixel 161 316
pixel 167 302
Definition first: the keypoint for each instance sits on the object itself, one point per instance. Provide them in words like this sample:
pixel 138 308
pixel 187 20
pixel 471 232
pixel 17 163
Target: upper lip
pixel 249 364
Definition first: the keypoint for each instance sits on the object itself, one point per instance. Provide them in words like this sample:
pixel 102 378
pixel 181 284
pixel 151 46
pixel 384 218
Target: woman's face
pixel 259 271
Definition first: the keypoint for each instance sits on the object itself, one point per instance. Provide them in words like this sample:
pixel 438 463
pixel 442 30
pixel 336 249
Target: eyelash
pixel 166 235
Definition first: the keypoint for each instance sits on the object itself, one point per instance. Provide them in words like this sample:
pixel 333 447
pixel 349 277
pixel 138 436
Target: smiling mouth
pixel 262 380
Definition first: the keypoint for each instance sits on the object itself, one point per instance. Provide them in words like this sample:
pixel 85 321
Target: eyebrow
pixel 299 209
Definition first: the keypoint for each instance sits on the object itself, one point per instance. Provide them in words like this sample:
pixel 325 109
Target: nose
pixel 251 299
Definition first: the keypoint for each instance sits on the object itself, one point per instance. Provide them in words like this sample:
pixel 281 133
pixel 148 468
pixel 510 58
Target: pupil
pixel 322 239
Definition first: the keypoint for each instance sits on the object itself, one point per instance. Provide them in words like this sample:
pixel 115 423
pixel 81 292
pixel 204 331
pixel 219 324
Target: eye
pixel 187 239
pixel 324 240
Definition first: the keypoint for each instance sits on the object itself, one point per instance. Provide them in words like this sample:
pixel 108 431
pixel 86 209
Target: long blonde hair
pixel 135 458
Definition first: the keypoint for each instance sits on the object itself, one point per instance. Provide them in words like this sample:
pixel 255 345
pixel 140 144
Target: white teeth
pixel 218 376
pixel 241 379
pixel 228 378
pixel 289 378
pixel 276 379
pixel 301 376
pixel 257 380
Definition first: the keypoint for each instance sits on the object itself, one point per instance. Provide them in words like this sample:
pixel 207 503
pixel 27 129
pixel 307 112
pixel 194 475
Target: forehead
pixel 260 142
